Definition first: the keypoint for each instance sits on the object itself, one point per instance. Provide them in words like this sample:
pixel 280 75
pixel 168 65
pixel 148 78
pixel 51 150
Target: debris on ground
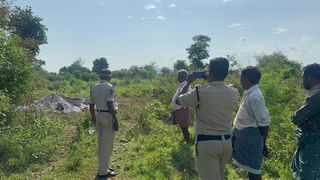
pixel 61 103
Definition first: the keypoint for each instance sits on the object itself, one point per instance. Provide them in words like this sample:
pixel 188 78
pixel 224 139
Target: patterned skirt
pixel 247 147
pixel 306 159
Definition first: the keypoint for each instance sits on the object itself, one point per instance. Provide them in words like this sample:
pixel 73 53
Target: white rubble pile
pixel 61 103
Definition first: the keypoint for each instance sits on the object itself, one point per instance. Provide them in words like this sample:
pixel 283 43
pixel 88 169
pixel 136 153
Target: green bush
pixel 15 67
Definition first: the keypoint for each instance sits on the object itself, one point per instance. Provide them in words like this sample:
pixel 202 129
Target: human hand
pixel 265 151
pixel 94 120
pixel 191 78
pixel 306 125
pixel 115 124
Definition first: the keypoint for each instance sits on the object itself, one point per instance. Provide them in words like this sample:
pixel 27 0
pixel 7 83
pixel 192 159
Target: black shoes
pixel 111 169
pixel 110 174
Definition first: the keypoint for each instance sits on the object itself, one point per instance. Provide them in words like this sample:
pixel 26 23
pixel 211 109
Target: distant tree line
pixel 80 72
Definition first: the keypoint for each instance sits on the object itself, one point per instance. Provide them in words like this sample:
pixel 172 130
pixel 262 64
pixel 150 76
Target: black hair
pixel 219 68
pixel 312 70
pixel 105 73
pixel 253 74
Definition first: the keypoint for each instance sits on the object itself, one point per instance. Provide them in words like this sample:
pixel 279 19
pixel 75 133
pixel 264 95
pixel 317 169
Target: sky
pixel 140 32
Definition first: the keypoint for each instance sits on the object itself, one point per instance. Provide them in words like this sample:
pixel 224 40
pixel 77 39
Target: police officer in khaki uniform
pixel 103 96
pixel 213 116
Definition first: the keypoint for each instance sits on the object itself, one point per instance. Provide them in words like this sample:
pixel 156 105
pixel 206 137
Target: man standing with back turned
pixel 306 160
pixel 103 96
pixel 214 106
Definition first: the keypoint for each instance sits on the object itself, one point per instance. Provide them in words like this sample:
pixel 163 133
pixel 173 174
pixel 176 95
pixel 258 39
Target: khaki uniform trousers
pixel 212 158
pixel 105 140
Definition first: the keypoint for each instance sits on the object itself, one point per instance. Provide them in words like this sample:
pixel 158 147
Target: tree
pixel 198 51
pixel 4 13
pixel 149 71
pixel 165 71
pixel 234 64
pixel 77 69
pixel 279 63
pixel 15 68
pixel 180 64
pixel 23 23
pixel 99 64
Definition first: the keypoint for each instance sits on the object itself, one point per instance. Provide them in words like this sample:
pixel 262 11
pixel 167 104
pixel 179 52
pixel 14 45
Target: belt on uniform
pixel 212 137
pixel 99 110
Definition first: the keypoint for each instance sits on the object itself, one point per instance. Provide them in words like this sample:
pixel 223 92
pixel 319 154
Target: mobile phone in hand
pixel 199 75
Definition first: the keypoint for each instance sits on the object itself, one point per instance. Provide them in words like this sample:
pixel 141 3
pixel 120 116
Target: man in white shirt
pixel 251 125
pixel 185 122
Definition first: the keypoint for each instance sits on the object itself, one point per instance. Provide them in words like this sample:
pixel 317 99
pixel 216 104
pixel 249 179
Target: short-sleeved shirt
pixel 102 93
pixel 214 114
pixel 252 111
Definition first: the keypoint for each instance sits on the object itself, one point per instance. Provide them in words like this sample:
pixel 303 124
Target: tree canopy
pixel 23 23
pixel 180 64
pixel 279 63
pixel 198 51
pixel 15 67
pixel 165 71
pixel 99 64
pixel 79 71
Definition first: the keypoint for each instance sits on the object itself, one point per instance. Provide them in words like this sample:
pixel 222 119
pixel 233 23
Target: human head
pixel 105 74
pixel 311 75
pixel 250 76
pixel 218 69
pixel 182 75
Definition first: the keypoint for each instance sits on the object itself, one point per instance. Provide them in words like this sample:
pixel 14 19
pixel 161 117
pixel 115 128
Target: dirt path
pixel 126 119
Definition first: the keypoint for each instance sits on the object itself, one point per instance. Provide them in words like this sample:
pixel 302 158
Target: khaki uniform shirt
pixel 214 115
pixel 101 93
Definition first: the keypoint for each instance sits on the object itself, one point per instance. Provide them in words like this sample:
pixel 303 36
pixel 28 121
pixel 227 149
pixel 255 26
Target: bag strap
pixel 198 98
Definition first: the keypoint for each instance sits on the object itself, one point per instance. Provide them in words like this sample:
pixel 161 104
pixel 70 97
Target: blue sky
pixel 138 32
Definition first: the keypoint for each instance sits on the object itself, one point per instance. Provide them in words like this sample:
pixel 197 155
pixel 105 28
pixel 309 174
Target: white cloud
pixel 306 38
pixel 236 25
pixel 225 1
pixel 153 18
pixel 173 5
pixel 150 6
pixel 160 17
pixel 280 30
pixel 242 38
pixel 129 17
